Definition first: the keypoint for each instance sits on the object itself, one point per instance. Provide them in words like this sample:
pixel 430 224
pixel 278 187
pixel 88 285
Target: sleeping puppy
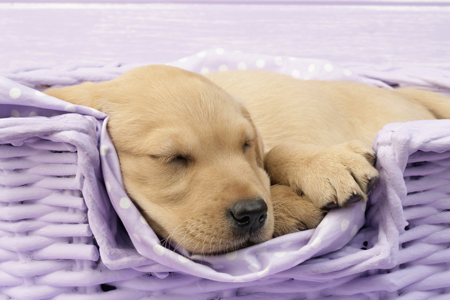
pixel 220 163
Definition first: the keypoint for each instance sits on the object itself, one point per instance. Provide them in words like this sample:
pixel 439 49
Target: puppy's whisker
pixel 180 243
pixel 210 248
pixel 190 226
pixel 185 236
pixel 210 244
pixel 220 243
pixel 173 232
pixel 194 238
pixel 204 243
pixel 195 248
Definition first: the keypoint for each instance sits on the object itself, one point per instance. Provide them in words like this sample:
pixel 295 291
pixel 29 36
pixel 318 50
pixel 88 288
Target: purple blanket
pixel 365 251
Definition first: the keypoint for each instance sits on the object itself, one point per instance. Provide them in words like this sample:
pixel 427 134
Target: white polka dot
pixel 125 203
pixel 182 259
pixel 143 220
pixel 201 54
pixel 33 114
pixel 183 59
pixel 328 67
pixel 344 225
pixel 15 113
pixel 108 186
pixel 292 58
pixel 138 238
pixel 260 63
pixel 70 108
pixel 15 93
pixel 354 230
pixel 347 72
pixel 158 249
pixel 285 245
pixel 103 150
pixel 231 255
pixel 263 272
pixel 197 257
pixel 278 61
pixel 220 51
pixel 238 280
pixel 253 268
pixel 242 66
pixel 279 254
pixel 296 73
pixel 40 94
pixel 204 71
pixel 323 223
pixel 311 68
pixel 316 242
pixel 223 68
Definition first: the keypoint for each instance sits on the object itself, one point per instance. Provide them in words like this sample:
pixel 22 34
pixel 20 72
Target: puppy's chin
pixel 252 240
pixel 239 241
pixel 236 244
pixel 200 244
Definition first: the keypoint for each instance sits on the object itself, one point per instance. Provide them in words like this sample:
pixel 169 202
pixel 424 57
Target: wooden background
pixel 376 32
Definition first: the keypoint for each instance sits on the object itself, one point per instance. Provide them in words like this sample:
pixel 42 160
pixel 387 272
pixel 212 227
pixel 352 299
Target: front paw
pixel 336 176
pixel 292 212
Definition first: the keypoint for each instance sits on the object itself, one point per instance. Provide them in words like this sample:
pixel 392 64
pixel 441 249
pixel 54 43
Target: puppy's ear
pixel 86 94
pixel 259 144
pixel 259 147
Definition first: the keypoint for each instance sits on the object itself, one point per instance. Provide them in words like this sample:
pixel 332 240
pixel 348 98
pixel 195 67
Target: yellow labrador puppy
pixel 220 163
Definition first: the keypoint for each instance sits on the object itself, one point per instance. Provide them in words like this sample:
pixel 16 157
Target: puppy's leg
pixel 335 176
pixel 293 212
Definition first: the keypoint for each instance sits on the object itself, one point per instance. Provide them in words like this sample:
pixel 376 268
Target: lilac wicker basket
pixel 69 231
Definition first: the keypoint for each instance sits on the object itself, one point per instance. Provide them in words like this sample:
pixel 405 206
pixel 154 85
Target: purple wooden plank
pixel 52 34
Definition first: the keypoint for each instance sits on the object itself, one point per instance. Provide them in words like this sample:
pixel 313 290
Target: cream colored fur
pixel 189 148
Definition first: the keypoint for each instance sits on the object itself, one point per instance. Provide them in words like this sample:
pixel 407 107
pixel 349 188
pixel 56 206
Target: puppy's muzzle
pixel 247 216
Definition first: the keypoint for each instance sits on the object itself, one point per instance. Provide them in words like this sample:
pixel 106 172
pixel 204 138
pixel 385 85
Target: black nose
pixel 248 215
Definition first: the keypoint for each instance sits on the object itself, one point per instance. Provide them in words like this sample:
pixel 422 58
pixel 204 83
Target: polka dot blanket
pixel 335 250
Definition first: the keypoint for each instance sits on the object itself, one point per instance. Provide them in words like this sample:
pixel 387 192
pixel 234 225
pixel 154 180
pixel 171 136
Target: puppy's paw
pixel 336 176
pixel 340 175
pixel 292 212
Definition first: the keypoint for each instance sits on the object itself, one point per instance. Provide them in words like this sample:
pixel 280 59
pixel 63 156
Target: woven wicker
pixel 64 235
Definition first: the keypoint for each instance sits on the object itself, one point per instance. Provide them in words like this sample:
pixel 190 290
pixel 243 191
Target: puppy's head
pixel 190 156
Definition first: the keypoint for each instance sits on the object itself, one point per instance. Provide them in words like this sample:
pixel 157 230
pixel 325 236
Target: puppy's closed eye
pixel 247 145
pixel 172 159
